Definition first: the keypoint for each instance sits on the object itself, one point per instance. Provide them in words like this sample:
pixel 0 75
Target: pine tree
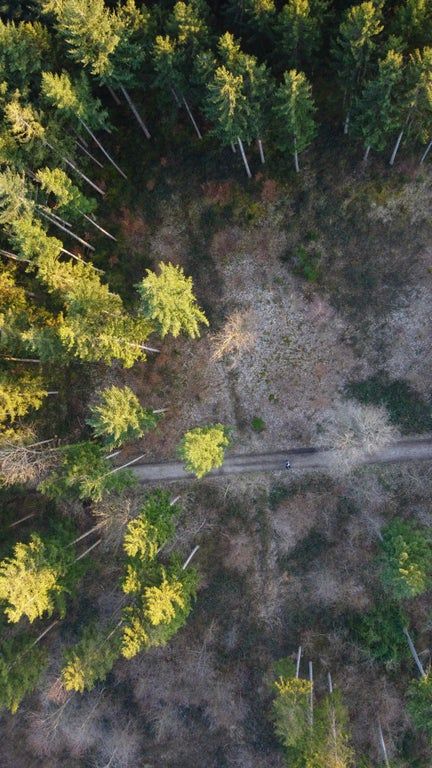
pixel 160 608
pixel 152 527
pixel 290 713
pixel 34 581
pixel 91 659
pixel 69 200
pixel 167 300
pixel 329 746
pixel 406 560
pixel 297 31
pixel 24 48
pixel 84 473
pixel 119 417
pixel 412 23
pixel 415 109
pixel 354 48
pixel 376 111
pixel 420 703
pixel 21 666
pixel 203 448
pixel 293 111
pixel 20 394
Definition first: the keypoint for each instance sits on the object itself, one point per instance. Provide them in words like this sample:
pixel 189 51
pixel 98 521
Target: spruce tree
pixel 293 111
pixel 203 448
pixel 21 666
pixel 91 659
pixel 36 578
pixel 376 111
pixel 19 394
pixel 167 300
pixel 420 703
pixel 84 473
pixel 118 417
pixel 406 561
pixel 355 45
pixel 152 527
pixel 297 33
pixel 415 104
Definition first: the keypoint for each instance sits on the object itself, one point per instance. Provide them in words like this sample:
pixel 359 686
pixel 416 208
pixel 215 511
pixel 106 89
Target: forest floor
pixel 312 285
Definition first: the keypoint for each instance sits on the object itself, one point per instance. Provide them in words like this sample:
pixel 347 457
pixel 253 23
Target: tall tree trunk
pixel 101 229
pixel 192 119
pixel 13 256
pixel 366 154
pixel 346 123
pixel 296 161
pixel 84 535
pixel 186 563
pixel 246 164
pixel 102 148
pixel 22 359
pixel 233 147
pixel 383 746
pixel 396 147
pixel 299 655
pixel 22 519
pixel 414 653
pixel 65 229
pixel 123 466
pixel 261 151
pixel 114 95
pixel 88 550
pixel 135 111
pixel 426 152
pixel 77 170
pixel 176 98
pixel 89 154
pixel 311 712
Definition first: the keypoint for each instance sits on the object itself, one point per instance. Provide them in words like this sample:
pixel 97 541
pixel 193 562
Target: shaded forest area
pixel 215 233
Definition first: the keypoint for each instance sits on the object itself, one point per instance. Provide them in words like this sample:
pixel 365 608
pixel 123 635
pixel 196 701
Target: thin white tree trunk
pixel 299 655
pixel 174 501
pixel 244 158
pixel 102 148
pixel 296 162
pixel 95 224
pixel 65 229
pixel 86 152
pixel 261 151
pixel 366 154
pixel 54 215
pixel 311 712
pixel 176 98
pixel 22 519
pixel 114 95
pixel 22 359
pixel 135 111
pixel 426 152
pixel 233 147
pixel 45 632
pixel 383 745
pixel 192 119
pixel 186 563
pixel 333 716
pixel 414 653
pixel 346 123
pixel 13 256
pixel 77 170
pixel 396 147
pixel 87 550
pixel 84 535
pixel 123 466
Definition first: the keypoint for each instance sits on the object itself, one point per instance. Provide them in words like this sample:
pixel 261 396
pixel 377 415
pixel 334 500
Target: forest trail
pixel 408 449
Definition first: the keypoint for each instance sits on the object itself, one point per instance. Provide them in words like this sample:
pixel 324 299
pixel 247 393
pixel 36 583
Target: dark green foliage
pixel 420 704
pixel 406 408
pixel 84 473
pixel 406 559
pixel 91 659
pixel 307 263
pixel 21 665
pixel 258 424
pixel 380 633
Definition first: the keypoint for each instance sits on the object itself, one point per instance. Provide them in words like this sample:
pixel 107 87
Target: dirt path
pixel 410 449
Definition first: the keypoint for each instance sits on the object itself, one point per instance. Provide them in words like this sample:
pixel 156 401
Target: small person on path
pixel 287 465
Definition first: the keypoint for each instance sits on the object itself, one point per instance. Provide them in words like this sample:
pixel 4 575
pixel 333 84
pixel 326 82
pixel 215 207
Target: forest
pixel 215 246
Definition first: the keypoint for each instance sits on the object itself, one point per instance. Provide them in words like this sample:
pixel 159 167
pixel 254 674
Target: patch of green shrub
pixel 258 424
pixel 380 633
